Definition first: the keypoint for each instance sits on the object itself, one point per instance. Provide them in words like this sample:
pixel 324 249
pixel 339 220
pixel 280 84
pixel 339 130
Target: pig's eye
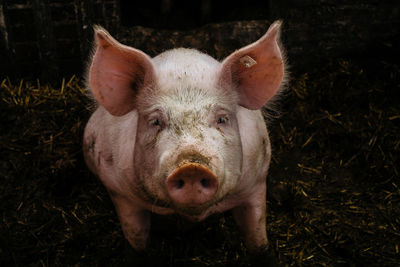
pixel 222 120
pixel 155 122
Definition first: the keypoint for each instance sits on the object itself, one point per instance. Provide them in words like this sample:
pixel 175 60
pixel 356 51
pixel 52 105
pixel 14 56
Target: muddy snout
pixel 192 184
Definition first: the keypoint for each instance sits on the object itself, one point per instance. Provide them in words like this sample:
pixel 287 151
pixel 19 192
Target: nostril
pixel 205 182
pixel 180 183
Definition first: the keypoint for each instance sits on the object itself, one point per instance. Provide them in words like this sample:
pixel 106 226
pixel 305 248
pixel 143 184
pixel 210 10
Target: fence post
pixel 45 40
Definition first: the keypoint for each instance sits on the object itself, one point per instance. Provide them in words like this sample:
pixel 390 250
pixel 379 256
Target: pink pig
pixel 183 133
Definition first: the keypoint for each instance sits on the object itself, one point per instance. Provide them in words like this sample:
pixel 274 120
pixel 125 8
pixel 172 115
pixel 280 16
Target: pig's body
pixel 191 141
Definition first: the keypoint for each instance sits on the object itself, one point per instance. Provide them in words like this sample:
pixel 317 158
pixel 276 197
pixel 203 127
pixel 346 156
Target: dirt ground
pixel 333 187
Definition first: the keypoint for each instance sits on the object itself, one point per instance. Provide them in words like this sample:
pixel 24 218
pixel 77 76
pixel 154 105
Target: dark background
pixel 43 38
pixel 333 187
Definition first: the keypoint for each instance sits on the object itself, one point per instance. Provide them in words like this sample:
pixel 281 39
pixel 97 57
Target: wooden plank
pixel 45 40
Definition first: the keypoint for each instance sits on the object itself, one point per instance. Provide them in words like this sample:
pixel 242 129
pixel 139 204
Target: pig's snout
pixel 192 184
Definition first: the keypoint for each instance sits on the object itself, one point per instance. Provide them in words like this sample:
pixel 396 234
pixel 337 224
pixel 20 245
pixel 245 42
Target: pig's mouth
pixel 191 212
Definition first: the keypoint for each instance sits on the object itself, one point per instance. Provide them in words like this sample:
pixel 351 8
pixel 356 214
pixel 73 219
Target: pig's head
pixel 188 149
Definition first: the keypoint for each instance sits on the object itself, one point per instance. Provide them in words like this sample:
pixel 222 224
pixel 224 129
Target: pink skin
pixel 183 133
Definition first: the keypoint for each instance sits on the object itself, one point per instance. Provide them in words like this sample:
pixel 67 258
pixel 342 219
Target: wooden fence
pixel 49 38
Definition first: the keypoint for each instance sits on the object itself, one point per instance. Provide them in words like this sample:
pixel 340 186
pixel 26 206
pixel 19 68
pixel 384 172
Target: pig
pixel 183 133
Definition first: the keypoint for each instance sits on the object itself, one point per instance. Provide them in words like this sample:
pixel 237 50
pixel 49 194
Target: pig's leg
pixel 250 217
pixel 135 222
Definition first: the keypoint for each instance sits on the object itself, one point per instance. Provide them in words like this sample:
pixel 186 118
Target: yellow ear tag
pixel 247 61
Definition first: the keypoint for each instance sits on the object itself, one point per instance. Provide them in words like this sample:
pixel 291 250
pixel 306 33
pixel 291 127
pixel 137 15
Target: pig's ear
pixel 117 72
pixel 257 70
